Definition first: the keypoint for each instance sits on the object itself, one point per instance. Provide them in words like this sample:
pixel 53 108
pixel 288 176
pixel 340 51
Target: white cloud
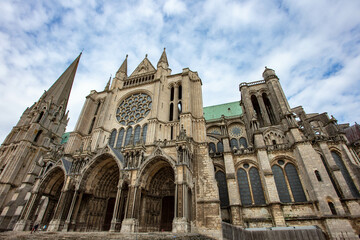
pixel 174 7
pixel 227 42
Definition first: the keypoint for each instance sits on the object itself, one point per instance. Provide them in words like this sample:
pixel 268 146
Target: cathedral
pixel 146 156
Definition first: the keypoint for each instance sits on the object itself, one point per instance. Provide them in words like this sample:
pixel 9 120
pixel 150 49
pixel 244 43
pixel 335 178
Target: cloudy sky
pixel 314 47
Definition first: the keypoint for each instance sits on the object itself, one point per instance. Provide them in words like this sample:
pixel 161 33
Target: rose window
pixel 235 131
pixel 133 109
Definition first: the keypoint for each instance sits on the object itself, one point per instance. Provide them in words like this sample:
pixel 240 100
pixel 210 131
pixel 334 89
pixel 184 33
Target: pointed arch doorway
pixel 157 197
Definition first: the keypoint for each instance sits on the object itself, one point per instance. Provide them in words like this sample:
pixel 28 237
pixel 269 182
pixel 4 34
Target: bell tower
pixel 39 130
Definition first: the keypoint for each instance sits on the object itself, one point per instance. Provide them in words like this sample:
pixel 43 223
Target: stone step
pixel 100 236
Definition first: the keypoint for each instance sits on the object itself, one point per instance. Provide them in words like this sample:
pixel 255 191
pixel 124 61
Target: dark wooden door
pixel 167 213
pixel 109 214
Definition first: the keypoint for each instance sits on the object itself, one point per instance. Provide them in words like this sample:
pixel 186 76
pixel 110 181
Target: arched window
pixel 345 174
pixel 244 188
pixel 137 134
pixel 40 116
pixel 281 185
pixel 295 183
pixel 223 190
pixel 234 143
pixel 112 138
pixel 337 189
pixel 180 92
pixel 243 142
pixel 128 136
pixel 172 94
pixel 288 183
pixel 179 109
pixel 256 187
pixel 38 136
pixel 120 138
pixel 332 208
pixel 144 132
pixel 212 148
pixel 220 147
pixel 269 109
pixel 171 114
pixel 256 107
pixel 91 125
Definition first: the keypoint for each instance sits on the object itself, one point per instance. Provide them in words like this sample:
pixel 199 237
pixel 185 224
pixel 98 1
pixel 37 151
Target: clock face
pixel 235 131
pixel 133 109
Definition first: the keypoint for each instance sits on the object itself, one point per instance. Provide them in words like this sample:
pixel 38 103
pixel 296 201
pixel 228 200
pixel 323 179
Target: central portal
pixel 158 201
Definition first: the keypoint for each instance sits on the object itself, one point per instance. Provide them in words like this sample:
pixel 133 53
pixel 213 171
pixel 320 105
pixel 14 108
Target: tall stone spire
pixel 123 67
pixel 163 62
pixel 59 92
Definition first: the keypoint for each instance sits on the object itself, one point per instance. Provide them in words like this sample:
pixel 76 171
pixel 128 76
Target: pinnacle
pixel 163 59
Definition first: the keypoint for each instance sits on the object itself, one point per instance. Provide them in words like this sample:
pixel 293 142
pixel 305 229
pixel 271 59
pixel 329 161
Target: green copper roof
pixel 227 109
pixel 65 138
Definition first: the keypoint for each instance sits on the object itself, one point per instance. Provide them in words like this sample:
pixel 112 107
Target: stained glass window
pixel 133 109
pixel 128 136
pixel 281 184
pixel 258 192
pixel 295 183
pixel 144 132
pixel 346 174
pixel 137 134
pixel 234 143
pixel 112 138
pixel 243 142
pixel 223 190
pixel 244 189
pixel 120 138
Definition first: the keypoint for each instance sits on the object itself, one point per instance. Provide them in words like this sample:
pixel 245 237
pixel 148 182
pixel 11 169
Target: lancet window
pixel 223 190
pixel 288 182
pixel 339 162
pixel 112 138
pixel 250 187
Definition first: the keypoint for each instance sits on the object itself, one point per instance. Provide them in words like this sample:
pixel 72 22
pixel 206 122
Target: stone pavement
pixel 98 236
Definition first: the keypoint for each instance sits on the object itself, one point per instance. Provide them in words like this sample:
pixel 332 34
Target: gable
pixel 144 67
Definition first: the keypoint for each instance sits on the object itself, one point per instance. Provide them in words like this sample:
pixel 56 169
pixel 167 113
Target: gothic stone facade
pixel 146 156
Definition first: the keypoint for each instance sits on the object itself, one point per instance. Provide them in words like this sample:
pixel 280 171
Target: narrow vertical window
pixel 295 183
pixel 281 184
pixel 256 107
pixel 171 114
pixel 40 117
pixel 256 187
pixel 172 94
pixel 137 134
pixel 91 125
pixel 144 133
pixel 38 136
pixel 269 109
pixel 317 174
pixel 112 138
pixel 339 162
pixel 120 138
pixel 128 136
pixel 171 132
pixel 97 108
pixel 180 92
pixel 332 208
pixel 244 188
pixel 223 190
